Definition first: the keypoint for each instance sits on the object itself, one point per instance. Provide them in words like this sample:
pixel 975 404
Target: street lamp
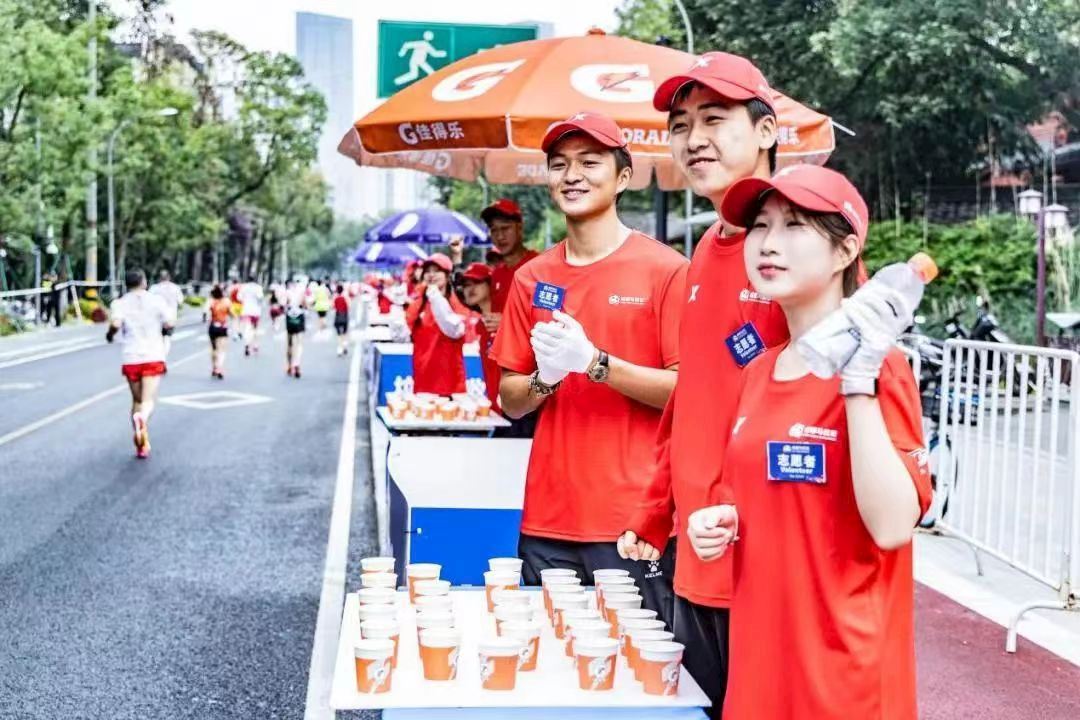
pixel 164 112
pixel 1052 217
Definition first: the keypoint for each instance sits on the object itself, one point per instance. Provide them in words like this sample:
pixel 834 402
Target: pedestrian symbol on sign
pixel 418 60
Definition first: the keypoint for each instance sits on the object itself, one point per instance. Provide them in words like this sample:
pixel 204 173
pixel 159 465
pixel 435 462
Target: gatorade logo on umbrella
pixel 473 82
pixel 614 83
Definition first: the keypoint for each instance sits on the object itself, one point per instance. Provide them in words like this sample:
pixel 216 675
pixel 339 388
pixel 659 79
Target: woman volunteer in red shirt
pixel 827 478
pixel 436 320
pixel 478 296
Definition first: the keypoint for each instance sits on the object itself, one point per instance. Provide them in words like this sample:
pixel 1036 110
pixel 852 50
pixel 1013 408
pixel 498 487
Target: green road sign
pixel 409 51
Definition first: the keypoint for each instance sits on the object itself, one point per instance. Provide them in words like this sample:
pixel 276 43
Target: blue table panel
pixel 391 366
pixel 463 539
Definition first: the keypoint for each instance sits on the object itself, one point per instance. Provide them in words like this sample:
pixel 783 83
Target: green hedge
pixel 993 257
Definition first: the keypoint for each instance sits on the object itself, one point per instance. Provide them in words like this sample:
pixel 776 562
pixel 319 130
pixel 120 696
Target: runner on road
pixel 321 303
pixel 219 331
pixel 341 320
pixel 295 324
pixel 141 319
pixel 251 296
pixel 173 296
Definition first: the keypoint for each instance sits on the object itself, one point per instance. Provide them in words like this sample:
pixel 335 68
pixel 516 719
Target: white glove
pixel 880 315
pixel 562 344
pixel 451 324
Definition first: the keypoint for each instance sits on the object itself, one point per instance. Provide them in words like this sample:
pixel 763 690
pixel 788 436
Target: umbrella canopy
pixel 431 225
pixel 488 112
pixel 388 254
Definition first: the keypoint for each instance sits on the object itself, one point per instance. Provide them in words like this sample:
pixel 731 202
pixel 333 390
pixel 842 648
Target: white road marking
pixel 42 346
pixel 75 347
pixel 20 386
pixel 71 409
pixel 215 400
pixel 332 598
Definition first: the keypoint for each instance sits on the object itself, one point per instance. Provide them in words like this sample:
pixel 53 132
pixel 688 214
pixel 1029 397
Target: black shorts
pixel 341 323
pixel 321 313
pixel 217 331
pixel 295 324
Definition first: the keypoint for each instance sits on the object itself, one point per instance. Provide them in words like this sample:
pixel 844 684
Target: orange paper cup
pixel 420 571
pixel 511 613
pixel 371 612
pixel 433 619
pixel 584 628
pixel 376 565
pixel 382 629
pixel 499 659
pixel 500 580
pixel 661 663
pixel 505 564
pixel 596 662
pixel 561 602
pixel 639 638
pixel 558 583
pixel 613 605
pixel 377 596
pixel 631 627
pixel 528 632
pixel 431 588
pixel 439 648
pixel 442 603
pixel 374 669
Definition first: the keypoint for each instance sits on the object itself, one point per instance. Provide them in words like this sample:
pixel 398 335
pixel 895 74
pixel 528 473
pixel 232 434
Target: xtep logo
pixel 747 295
pixel 798 430
pixel 693 292
pixel 627 300
pixel 738 424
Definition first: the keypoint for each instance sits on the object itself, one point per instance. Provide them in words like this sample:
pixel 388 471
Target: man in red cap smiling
pixel 723 128
pixel 589 338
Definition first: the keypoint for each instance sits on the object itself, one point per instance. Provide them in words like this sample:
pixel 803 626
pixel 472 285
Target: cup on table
pixel 443 603
pixel 660 665
pixel 595 658
pixel 499 580
pixel 512 597
pixel 431 588
pixel 558 583
pixel 378 611
pixel 374 668
pixel 505 564
pixel 616 584
pixel 630 629
pixel 630 614
pixel 377 565
pixel 468 410
pixel 426 411
pixel 377 596
pixel 511 613
pixel 640 638
pixel 434 619
pixel 439 649
pixel 382 629
pixel 398 409
pixel 499 658
pixel 621 602
pixel 379 579
pixel 528 632
pixel 561 602
pixel 483 407
pixel 585 628
pixel 448 411
pixel 420 571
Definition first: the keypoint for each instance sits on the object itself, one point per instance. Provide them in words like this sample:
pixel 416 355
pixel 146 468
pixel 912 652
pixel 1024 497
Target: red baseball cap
pixel 477 271
pixel 809 187
pixel 734 77
pixel 440 261
pixel 600 128
pixel 503 206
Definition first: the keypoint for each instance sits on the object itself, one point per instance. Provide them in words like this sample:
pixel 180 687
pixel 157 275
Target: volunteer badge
pixel 548 297
pixel 745 344
pixel 797 462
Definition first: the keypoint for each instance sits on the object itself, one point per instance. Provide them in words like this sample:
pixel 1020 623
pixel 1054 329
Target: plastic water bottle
pixel 829 345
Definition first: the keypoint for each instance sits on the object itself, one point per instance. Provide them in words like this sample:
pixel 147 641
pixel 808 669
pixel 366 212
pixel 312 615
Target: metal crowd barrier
pixel 1014 480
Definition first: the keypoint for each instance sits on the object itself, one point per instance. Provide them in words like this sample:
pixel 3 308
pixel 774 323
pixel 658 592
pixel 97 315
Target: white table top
pixel 492 421
pixel 554 683
pixel 405 348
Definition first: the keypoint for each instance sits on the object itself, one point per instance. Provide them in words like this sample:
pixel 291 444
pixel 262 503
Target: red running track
pixel 965 673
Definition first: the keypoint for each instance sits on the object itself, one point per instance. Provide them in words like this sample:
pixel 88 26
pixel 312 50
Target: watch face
pixel 599 373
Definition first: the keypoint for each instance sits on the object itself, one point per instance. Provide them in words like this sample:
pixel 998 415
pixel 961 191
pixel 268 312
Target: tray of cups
pixel 430 645
pixel 426 410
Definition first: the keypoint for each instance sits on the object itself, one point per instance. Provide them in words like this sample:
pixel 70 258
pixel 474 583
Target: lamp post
pixel 1051 217
pixel 164 112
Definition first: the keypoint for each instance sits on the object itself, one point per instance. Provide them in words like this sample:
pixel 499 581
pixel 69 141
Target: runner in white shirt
pixel 142 320
pixel 251 297
pixel 296 302
pixel 173 296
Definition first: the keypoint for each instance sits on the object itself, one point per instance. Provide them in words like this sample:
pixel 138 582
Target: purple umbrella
pixel 432 226
pixel 377 253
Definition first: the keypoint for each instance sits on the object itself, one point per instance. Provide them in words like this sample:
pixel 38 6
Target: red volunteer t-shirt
pixel 438 360
pixel 592 453
pixel 821 618
pixel 502 278
pixel 719 300
pixel 488 364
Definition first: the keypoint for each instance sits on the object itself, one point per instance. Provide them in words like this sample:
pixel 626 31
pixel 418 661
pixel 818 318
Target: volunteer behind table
pixel 590 335
pixel 723 128
pixel 827 477
pixel 436 321
pixel 476 280
pixel 506 227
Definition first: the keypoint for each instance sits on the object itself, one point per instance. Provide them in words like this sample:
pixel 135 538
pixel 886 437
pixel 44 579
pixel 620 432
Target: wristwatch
pixel 541 388
pixel 601 368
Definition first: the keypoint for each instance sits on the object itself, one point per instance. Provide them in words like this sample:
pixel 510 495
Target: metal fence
pixel 1013 424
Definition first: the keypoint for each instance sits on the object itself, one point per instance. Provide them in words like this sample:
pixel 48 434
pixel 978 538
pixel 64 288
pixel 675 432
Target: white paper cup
pixel 423 571
pixel 585 628
pixel 382 629
pixel 505 564
pixel 557 572
pixel 512 597
pixel 429 588
pixel 430 619
pixel 379 579
pixel 609 573
pixel 383 611
pixel 515 613
pixel 377 596
pixel 377 564
pixel 426 603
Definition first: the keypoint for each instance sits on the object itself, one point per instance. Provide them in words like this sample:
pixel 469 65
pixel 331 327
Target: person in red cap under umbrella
pixel 476 288
pixel 589 338
pixel 823 480
pixel 507 230
pixel 437 322
pixel 723 128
